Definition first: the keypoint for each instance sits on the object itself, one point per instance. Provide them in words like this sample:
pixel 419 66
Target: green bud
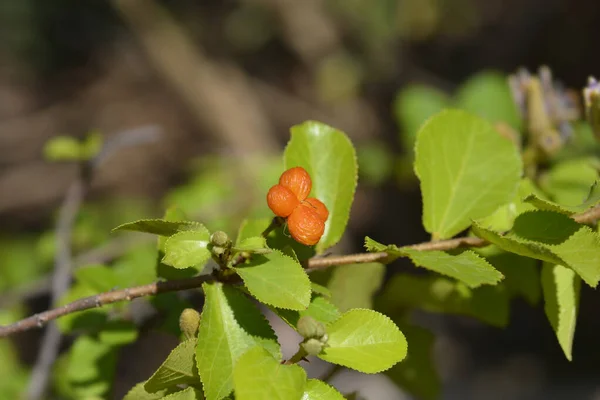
pixel 309 327
pixel 218 250
pixel 312 346
pixel 189 321
pixel 220 238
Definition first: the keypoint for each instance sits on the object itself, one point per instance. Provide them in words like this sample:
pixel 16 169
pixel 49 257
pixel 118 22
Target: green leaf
pixel 139 393
pixel 364 340
pixel 404 292
pixel 159 226
pixel 467 170
pixel 259 376
pixel 487 95
pixel 504 217
pixel 320 289
pixel 552 237
pixel 319 390
pixel 188 249
pixel 417 374
pixel 521 274
pixel 353 286
pixel 97 277
pixel 320 309
pixel 467 267
pixel 516 245
pixel 118 333
pixel 592 200
pixel 375 162
pixel 179 368
pixel 91 367
pixel 230 325
pixel 277 280
pixel 186 394
pixel 62 148
pixel 254 244
pixel 277 239
pixel 329 157
pixel 569 182
pixel 413 106
pixel 561 297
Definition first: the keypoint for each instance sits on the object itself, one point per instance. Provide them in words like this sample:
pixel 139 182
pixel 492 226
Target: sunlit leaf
pixel 364 340
pixel 329 157
pixel 561 297
pixel 277 280
pixel 467 170
pixel 257 375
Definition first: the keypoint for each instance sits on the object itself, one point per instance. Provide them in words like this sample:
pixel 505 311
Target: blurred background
pixel 212 87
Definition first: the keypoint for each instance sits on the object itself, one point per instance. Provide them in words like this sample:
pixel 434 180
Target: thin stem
pixel 276 222
pixel 296 358
pixel 102 299
pixel 39 320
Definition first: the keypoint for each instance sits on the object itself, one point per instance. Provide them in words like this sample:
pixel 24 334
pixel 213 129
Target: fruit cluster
pixel 289 199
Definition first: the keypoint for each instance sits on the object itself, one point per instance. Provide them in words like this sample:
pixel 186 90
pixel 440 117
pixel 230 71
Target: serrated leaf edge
pixel 354 156
pixel 123 227
pixel 170 354
pixel 268 303
pixel 372 312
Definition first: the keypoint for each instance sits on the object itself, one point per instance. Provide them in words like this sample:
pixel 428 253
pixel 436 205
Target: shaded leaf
pixel 569 182
pixel 160 227
pixel 417 374
pixel 230 325
pixel 552 237
pixel 521 274
pixel 592 200
pixel 467 170
pixel 118 333
pixel 259 376
pixel 277 280
pixel 179 368
pixel 561 297
pixel 91 367
pixel 353 286
pixel 487 95
pixel 413 105
pixel 329 157
pixel 364 340
pixel 466 267
pixel 404 292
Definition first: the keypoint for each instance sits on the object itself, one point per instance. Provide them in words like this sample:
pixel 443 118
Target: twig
pixel 589 216
pixel 60 284
pixel 63 263
pixel 99 300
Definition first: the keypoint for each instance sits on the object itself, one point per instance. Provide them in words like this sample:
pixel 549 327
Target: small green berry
pixel 220 238
pixel 189 321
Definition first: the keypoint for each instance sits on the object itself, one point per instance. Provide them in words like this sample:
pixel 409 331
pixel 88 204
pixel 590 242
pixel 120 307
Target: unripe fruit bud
pixel 319 208
pixel 305 225
pixel 189 321
pixel 298 181
pixel 219 238
pixel 312 347
pixel 281 201
pixel 308 327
